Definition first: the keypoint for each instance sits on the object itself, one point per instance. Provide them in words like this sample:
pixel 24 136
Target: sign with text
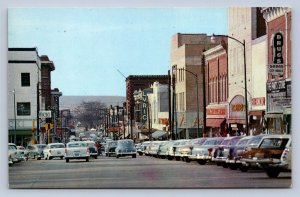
pixel 275 69
pixel 44 114
pixel 237 107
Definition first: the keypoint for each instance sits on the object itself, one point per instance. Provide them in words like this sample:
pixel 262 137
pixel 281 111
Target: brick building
pixel 278 20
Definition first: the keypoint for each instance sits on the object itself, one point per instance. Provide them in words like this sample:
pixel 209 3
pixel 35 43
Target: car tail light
pixel 285 154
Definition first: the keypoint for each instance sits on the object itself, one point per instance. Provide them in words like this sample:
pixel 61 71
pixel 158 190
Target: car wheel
pixel 95 157
pixel 201 162
pixel 61 157
pixel 117 156
pixel 133 156
pixel 225 165
pixel 87 159
pixel 233 166
pixel 187 160
pixel 67 160
pixel 243 168
pixel 140 154
pixel 46 158
pixel 50 158
pixel 273 172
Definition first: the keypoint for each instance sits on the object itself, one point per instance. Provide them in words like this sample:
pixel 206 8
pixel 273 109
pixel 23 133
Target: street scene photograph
pixel 149 98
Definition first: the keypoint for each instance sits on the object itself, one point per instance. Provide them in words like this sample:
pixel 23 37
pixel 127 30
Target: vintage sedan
pixel 186 150
pixel 35 151
pixel 143 147
pixel 77 150
pixel 203 153
pixel 178 148
pixel 110 148
pixel 163 149
pixel 221 152
pixel 172 151
pixel 273 154
pixel 125 148
pixel 12 154
pixel 53 150
pixel 153 148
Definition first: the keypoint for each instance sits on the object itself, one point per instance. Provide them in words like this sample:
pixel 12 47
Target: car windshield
pixel 73 145
pixel 277 143
pixel 243 142
pixel 57 146
pixel 112 144
pixel 12 147
pixel 126 143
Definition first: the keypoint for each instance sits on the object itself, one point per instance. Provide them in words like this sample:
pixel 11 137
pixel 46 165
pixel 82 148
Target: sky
pixel 92 48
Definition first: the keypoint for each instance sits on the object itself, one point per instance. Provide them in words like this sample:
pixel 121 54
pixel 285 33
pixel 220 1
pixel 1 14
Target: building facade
pixel 216 82
pixel 278 85
pixel 187 80
pixel 244 25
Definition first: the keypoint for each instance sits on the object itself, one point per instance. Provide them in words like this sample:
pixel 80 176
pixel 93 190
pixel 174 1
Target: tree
pixel 89 113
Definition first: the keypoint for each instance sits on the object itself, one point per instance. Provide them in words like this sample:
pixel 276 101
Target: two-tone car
pixel 273 154
pixel 77 150
pixel 53 150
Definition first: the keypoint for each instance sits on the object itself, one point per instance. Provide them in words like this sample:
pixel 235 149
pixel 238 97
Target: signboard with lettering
pixel 276 86
pixel 237 107
pixel 277 48
pixel 275 69
pixel 261 101
pixel 44 114
pixel 144 106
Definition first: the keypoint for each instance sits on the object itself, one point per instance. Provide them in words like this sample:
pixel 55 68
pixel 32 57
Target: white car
pixel 12 153
pixel 77 150
pixel 54 150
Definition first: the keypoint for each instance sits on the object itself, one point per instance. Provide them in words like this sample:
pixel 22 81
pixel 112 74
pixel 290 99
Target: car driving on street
pixel 53 150
pixel 77 150
pixel 125 148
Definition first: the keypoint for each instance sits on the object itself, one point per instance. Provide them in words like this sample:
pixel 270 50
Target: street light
pixel 197 106
pixel 15 131
pixel 213 40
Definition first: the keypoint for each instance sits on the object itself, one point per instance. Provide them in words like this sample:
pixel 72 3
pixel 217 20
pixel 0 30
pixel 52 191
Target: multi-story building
pixel 24 76
pixel 245 25
pixel 187 80
pixel 278 115
pixel 216 88
pixel 137 82
pixel 158 102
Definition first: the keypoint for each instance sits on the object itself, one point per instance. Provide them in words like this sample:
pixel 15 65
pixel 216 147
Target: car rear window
pixel 276 143
pixel 57 146
pixel 73 145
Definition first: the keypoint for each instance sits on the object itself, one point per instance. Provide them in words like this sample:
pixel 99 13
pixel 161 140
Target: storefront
pixel 236 116
pixel 216 120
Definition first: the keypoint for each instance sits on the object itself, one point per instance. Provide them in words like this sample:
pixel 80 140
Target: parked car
pixel 139 148
pixel 110 148
pixel 203 153
pixel 177 148
pixel 21 153
pixel 186 150
pixel 12 154
pixel 172 149
pixel 77 150
pixel 143 147
pixel 53 150
pixel 153 148
pixel 235 151
pixel 35 151
pixel 163 149
pixel 92 149
pixel 273 154
pixel 125 148
pixel 221 152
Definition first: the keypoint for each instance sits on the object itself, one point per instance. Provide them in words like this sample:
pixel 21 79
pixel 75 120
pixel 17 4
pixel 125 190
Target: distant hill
pixel 71 102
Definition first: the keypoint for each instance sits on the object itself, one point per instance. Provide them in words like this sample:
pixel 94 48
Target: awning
pixel 256 113
pixel 158 134
pixel 276 115
pixel 236 121
pixel 214 122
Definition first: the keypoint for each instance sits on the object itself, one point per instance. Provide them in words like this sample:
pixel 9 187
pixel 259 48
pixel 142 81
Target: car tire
pixel 46 158
pixel 133 156
pixel 140 154
pixel 233 167
pixel 243 168
pixel 117 156
pixel 95 157
pixel 61 157
pixel 87 159
pixel 201 162
pixel 67 160
pixel 272 172
pixel 187 160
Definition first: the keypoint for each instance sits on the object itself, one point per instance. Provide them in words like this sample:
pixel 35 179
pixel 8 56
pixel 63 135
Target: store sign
pixel 275 69
pixel 276 86
pixel 216 111
pixel 258 101
pixel 237 107
pixel 277 48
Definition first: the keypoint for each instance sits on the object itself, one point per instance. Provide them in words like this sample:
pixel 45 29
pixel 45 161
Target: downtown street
pixel 141 172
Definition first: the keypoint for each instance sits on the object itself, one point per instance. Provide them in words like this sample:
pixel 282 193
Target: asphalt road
pixel 140 172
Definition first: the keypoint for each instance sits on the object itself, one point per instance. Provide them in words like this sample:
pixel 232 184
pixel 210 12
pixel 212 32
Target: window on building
pixel 23 109
pixel 25 79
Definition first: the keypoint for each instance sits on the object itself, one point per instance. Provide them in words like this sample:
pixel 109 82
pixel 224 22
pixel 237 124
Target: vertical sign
pixel 144 107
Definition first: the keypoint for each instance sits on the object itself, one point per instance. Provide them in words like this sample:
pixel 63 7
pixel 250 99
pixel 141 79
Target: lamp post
pixel 15 131
pixel 197 99
pixel 213 39
pixel 174 130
